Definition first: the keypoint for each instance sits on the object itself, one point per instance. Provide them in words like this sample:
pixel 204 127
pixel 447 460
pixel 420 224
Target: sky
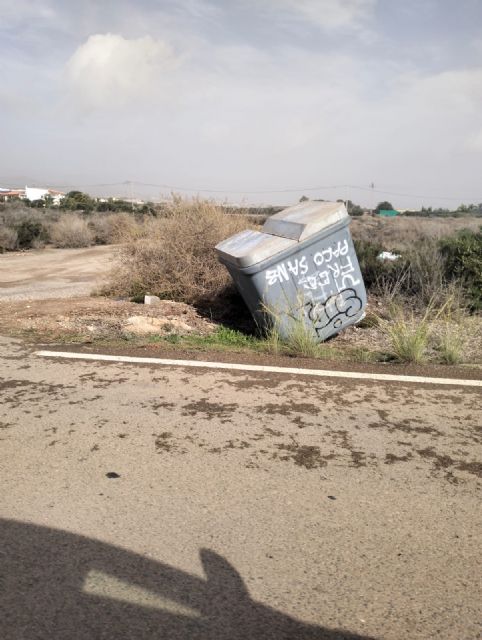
pixel 256 101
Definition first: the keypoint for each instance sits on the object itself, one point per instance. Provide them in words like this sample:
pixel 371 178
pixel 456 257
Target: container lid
pixel 250 247
pixel 305 219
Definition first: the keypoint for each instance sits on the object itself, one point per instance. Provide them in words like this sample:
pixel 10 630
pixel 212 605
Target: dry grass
pixel 402 232
pixel 301 341
pixel 451 345
pixel 408 334
pixel 455 332
pixel 173 256
pixel 272 340
pixel 445 332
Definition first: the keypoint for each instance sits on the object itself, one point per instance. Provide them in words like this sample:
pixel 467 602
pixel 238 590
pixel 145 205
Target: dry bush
pixel 173 256
pixel 113 228
pixel 8 239
pixel 71 231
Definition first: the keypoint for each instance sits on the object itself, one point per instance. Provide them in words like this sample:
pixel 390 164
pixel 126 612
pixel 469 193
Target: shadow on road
pixel 57 586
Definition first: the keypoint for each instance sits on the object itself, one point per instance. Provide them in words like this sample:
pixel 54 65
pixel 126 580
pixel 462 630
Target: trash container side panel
pixel 321 284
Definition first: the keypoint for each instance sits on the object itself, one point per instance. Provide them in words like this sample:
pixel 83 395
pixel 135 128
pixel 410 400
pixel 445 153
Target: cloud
pixel 207 93
pixel 327 14
pixel 109 70
pixel 15 13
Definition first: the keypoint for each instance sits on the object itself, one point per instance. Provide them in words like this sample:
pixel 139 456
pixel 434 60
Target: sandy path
pixel 53 273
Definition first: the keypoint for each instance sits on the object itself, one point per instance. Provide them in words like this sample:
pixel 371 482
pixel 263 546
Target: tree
pixel 384 206
pixel 353 209
pixel 77 200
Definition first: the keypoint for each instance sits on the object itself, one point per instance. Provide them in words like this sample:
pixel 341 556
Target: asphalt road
pixel 148 503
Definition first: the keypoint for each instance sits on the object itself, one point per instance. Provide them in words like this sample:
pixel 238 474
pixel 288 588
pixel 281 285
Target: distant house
pixel 57 196
pixel 388 213
pixel 32 194
pixel 35 193
pixel 8 194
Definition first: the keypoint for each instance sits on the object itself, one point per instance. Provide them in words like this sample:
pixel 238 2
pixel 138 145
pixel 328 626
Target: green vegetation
pixel 226 339
pixel 384 206
pixel 463 262
pixel 78 201
pixel 29 232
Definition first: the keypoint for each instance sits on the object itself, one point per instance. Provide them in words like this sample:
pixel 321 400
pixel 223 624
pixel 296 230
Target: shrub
pixel 463 261
pixel 8 239
pixel 32 226
pixel 173 256
pixel 71 231
pixel 113 228
pixel 77 201
pixel 29 231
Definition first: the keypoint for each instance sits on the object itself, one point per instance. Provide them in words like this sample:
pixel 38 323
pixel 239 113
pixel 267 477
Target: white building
pixel 35 193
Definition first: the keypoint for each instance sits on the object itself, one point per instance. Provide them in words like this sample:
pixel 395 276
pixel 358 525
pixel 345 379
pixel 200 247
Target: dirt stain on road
pixel 210 410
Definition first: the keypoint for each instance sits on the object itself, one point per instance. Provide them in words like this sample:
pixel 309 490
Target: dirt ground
pixel 89 318
pixel 53 273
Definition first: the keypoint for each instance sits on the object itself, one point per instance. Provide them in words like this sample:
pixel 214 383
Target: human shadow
pixel 56 585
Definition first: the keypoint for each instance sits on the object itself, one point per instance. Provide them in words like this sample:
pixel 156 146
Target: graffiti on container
pixel 284 270
pixel 332 270
pixel 333 311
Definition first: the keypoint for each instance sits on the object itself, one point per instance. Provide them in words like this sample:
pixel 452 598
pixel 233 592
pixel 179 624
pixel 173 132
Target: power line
pixel 340 187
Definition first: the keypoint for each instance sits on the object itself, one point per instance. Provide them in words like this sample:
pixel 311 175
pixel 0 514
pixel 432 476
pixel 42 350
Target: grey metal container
pixel 302 268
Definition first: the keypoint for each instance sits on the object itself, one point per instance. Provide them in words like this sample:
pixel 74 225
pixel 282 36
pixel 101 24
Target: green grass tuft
pixel 408 335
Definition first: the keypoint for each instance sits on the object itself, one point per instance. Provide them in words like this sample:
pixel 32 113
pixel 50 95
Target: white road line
pixel 321 373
